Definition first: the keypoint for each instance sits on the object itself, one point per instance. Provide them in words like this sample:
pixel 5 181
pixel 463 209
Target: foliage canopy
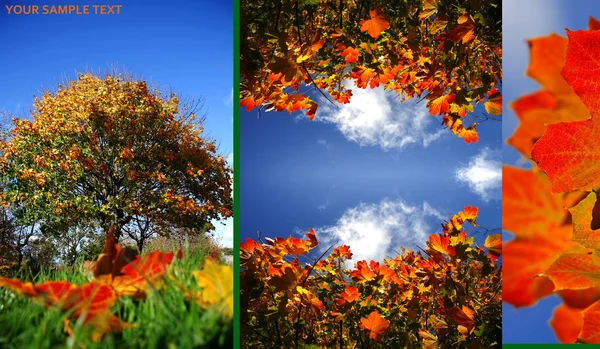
pixel 447 52
pixel 448 295
pixel 110 150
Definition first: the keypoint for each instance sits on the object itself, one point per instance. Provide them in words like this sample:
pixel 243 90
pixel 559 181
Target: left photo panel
pixel 116 175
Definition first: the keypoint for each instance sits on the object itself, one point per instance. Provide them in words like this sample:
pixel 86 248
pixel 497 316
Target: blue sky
pixel 183 45
pixel 373 174
pixel 524 20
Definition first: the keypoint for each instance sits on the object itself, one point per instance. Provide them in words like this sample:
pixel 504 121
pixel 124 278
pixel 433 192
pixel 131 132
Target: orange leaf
pixel 316 302
pixel 91 302
pixel 342 252
pixel 469 213
pixel 568 151
pixel 464 318
pixel 362 75
pixel 441 244
pixel 429 340
pixel 524 260
pixel 362 273
pixel 133 279
pixel 556 103
pixel 494 103
pixel 247 102
pixel 249 246
pixel 286 281
pixel 582 215
pixel 593 24
pixel 429 9
pixel 376 324
pixel 580 299
pixel 536 218
pixel 439 325
pixel 536 100
pixel 590 332
pixel 125 271
pixel 441 105
pixel 313 239
pixel 351 54
pixel 575 271
pixel 113 258
pixel 312 110
pixel 469 134
pixel 534 112
pixel 567 323
pixel 494 244
pixel 351 294
pixel 465 31
pixel 547 59
pixel 376 24
pixel 528 207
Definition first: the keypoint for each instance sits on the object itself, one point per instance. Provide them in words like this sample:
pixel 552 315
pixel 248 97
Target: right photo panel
pixel 551 172
pixel 370 174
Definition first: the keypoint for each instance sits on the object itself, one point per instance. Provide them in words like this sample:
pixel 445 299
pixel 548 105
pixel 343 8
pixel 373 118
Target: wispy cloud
pixel 374 117
pixel 483 174
pixel 323 206
pixel 375 231
pixel 229 99
pixel 224 232
pixel 324 143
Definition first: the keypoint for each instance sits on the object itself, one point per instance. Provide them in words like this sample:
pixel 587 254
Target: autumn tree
pixel 447 52
pixel 111 151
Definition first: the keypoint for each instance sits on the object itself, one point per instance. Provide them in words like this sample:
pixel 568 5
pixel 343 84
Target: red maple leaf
pixel 376 324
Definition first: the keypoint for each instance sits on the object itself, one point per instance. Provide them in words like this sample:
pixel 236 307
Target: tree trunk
pixel 140 245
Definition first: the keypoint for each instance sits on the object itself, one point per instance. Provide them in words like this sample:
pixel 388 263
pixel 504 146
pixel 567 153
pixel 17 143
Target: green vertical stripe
pixel 236 171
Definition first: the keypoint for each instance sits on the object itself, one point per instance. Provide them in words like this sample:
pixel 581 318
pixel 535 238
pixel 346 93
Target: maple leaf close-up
pixel 550 207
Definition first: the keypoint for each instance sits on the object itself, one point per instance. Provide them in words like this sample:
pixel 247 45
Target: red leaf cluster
pixel 440 295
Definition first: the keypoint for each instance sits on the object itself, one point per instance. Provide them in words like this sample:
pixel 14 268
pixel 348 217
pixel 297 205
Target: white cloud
pixel 374 117
pixel 224 229
pixel 483 174
pixel 229 99
pixel 230 159
pixel 323 206
pixel 376 231
pixel 224 232
pixel 324 143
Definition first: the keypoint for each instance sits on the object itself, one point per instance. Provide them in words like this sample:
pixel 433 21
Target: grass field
pixel 164 320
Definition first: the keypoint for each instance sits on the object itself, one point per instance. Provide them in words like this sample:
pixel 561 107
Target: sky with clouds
pixel 374 174
pixel 164 42
pixel 530 325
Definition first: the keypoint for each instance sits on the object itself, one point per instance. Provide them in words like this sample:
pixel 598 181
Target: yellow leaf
pixel 217 283
pixel 302 290
pixel 422 60
pixel 423 289
pixel 302 58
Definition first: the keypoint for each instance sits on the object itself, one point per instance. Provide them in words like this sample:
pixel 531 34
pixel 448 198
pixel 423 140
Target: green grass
pixel 164 320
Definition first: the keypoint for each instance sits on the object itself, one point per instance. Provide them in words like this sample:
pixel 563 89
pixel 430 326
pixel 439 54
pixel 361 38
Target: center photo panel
pixel 370 174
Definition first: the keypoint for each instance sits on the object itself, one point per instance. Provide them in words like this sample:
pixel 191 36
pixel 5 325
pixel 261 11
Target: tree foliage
pixel 446 296
pixel 447 52
pixel 555 250
pixel 112 151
